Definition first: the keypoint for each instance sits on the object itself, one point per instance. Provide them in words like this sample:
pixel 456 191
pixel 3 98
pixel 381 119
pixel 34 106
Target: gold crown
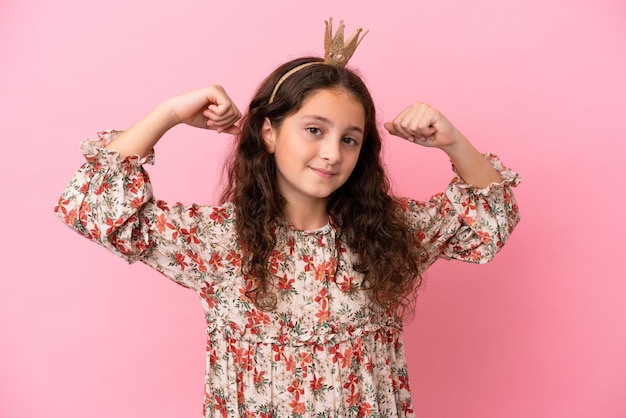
pixel 336 51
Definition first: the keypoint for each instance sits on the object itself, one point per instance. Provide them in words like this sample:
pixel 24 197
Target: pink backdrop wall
pixel 540 332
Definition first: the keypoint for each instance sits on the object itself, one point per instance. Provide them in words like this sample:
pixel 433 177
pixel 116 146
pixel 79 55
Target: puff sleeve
pixel 109 200
pixel 464 222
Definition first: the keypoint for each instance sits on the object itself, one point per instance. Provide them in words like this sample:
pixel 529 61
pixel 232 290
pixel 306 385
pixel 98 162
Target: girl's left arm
pixel 426 126
pixel 476 214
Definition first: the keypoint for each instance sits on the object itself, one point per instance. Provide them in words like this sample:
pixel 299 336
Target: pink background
pixel 540 332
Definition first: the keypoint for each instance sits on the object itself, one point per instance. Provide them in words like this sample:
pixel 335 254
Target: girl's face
pixel 317 148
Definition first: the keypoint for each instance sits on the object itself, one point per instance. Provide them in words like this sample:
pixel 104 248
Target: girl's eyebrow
pixel 329 122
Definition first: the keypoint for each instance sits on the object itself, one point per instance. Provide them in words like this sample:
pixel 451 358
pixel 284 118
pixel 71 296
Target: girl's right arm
pixel 109 199
pixel 208 108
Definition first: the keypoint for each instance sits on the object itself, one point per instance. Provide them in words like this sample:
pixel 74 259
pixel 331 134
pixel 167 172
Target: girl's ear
pixel 269 135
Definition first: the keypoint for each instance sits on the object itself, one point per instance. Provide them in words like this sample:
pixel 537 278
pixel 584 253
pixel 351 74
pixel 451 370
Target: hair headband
pixel 336 51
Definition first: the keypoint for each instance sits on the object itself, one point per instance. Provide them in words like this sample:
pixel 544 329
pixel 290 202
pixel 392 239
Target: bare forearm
pixel 140 138
pixel 207 108
pixel 470 164
pixel 425 125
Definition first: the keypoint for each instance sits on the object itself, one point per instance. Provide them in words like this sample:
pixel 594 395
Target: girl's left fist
pixel 423 124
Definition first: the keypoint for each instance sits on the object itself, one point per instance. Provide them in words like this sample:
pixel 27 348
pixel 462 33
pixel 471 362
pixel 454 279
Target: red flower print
pixel 219 214
pixel 420 235
pixel 358 350
pixel 285 284
pixel 196 258
pixel 212 357
pixel 365 410
pixel 234 259
pixel 322 297
pixel 241 357
pixel 475 255
pixel 334 351
pixel 250 282
pixel 137 202
pixel 135 184
pixel 275 258
pixel 208 294
pixel 316 383
pixel 352 381
pixel 347 359
pixel 257 317
pixel 290 364
pixel 279 351
pixel 61 205
pixel 190 235
pixel 163 205
pixel 139 179
pixel 297 407
pixel 85 207
pixel 258 376
pixel 331 268
pixel 103 187
pixel 323 314
pixel 308 262
pixel 291 244
pixel 216 261
pixel 468 205
pixel 71 217
pixel 295 389
pixel 220 405
pixel 140 245
pixel 95 232
pixel 320 272
pixel 180 260
pixel 354 399
pixel 407 407
pixel 113 224
pixel 193 211
pixel 305 358
pixel 484 236
pixel 161 223
pixel 347 284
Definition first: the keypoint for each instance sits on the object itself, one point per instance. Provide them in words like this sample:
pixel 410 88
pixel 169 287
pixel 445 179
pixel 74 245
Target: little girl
pixel 306 267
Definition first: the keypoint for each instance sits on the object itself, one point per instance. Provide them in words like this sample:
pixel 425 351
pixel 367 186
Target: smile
pixel 323 173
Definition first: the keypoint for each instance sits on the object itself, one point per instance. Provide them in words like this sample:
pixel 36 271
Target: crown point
pixel 338 52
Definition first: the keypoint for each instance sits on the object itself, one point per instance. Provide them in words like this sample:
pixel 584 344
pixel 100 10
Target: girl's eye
pixel 313 130
pixel 350 141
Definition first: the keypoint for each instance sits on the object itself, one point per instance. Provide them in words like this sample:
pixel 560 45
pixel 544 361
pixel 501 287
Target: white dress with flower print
pixel 324 351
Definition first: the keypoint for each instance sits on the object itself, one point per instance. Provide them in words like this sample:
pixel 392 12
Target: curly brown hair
pixel 367 217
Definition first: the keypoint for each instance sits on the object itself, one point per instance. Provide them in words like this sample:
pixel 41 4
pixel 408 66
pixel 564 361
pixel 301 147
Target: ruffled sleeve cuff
pixel 94 151
pixel 509 178
pixel 487 215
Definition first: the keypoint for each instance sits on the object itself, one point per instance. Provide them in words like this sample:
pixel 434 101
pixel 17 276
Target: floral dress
pixel 325 351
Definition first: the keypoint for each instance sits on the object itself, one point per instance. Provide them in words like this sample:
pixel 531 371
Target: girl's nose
pixel 330 150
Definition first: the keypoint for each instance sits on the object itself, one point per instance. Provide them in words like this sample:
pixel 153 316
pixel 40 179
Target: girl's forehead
pixel 335 107
pixel 336 91
pixel 332 100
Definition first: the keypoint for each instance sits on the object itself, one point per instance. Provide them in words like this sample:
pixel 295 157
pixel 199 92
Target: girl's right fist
pixel 208 108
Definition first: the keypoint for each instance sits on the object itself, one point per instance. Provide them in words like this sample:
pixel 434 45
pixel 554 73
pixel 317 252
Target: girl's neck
pixel 307 217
